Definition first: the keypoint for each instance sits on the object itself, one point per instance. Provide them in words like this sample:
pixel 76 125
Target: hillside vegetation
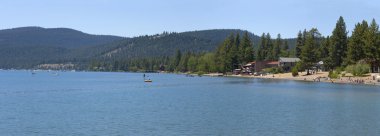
pixel 27 47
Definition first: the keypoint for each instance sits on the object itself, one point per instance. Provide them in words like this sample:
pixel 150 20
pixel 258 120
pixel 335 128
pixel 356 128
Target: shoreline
pixel 319 77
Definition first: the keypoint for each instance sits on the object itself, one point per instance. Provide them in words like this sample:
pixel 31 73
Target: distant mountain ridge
pixel 27 47
pixel 166 44
pixel 55 37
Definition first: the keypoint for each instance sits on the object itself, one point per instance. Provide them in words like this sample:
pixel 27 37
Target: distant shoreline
pixel 319 77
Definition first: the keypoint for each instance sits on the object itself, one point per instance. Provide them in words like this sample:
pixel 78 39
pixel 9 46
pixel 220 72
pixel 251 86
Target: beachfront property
pixel 287 63
pixel 258 66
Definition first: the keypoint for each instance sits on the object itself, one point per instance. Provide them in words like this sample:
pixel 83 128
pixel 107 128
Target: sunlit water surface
pixel 88 103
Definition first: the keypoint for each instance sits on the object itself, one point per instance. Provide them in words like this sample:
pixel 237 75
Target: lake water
pixel 88 103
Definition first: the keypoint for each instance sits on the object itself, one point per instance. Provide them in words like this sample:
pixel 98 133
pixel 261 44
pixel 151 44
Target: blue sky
pixel 139 17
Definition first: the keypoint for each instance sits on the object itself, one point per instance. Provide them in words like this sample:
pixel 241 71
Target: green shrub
pixel 299 66
pixel 333 74
pixel 358 69
pixel 339 70
pixel 294 71
pixel 279 70
pixel 200 73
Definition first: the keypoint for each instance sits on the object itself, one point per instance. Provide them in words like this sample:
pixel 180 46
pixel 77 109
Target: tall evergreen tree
pixel 299 44
pixel 356 44
pixel 372 45
pixel 308 53
pixel 323 52
pixel 246 49
pixel 277 48
pixel 268 47
pixel 261 49
pixel 224 55
pixel 234 52
pixel 220 54
pixel 286 49
pixel 338 46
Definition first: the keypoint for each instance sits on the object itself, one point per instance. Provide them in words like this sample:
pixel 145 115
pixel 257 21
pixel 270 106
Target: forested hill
pixel 53 37
pixel 28 47
pixel 25 47
pixel 166 44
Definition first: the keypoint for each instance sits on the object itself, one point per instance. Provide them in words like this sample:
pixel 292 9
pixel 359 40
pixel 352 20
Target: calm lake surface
pixel 88 103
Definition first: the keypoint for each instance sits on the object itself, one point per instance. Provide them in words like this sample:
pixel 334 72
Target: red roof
pixel 272 62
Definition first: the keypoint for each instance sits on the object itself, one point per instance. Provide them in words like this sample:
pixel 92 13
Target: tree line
pixel 339 50
pixel 234 52
pixel 336 51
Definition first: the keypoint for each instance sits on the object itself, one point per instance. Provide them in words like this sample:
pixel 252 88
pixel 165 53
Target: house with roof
pixel 287 63
pixel 258 66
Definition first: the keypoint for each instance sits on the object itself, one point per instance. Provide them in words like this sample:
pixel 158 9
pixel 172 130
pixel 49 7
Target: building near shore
pixel 287 63
pixel 258 66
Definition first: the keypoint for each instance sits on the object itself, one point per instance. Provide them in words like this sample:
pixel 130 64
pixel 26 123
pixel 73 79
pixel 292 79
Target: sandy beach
pixel 318 77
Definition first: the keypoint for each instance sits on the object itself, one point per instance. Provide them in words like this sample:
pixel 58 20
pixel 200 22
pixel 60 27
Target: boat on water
pixel 148 80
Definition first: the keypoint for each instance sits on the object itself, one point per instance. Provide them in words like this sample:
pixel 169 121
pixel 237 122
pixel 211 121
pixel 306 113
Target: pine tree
pixel 308 53
pixel 338 43
pixel 323 53
pixel 224 55
pixel 286 49
pixel 356 44
pixel 371 40
pixel 299 44
pixel 246 49
pixel 220 56
pixel 261 49
pixel 372 44
pixel 234 52
pixel 268 48
pixel 277 48
pixel 304 36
